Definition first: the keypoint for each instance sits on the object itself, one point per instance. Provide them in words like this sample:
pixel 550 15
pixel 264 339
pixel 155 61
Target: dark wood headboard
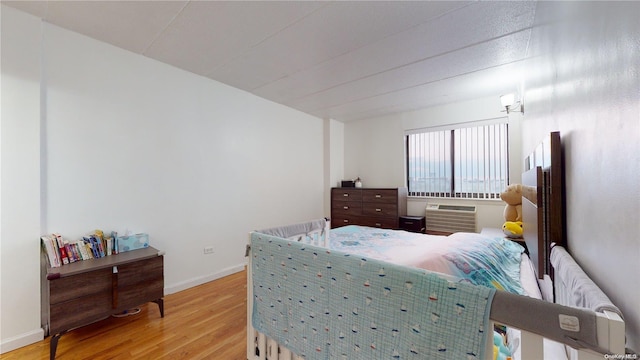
pixel 532 218
pixel 543 202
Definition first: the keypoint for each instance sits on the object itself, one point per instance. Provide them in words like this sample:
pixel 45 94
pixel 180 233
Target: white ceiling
pixel 342 60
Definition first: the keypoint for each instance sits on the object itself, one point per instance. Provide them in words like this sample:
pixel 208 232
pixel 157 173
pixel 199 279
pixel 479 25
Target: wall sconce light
pixel 510 104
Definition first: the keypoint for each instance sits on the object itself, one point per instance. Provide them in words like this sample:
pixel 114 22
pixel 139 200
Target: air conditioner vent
pixel 451 218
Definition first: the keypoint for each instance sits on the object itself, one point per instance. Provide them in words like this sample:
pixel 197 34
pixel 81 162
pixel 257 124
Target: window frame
pixel 453 192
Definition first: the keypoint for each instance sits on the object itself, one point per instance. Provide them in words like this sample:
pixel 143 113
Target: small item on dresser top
pixel 358 182
pixel 132 242
pixel 347 183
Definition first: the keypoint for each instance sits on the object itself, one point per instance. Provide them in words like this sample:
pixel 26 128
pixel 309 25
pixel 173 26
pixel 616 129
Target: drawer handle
pixel 409 222
pixel 345 207
pixel 345 195
pixel 345 221
pixel 378 210
pixel 378 225
pixel 378 196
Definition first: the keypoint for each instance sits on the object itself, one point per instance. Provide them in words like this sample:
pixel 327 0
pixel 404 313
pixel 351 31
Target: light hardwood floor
pixel 204 322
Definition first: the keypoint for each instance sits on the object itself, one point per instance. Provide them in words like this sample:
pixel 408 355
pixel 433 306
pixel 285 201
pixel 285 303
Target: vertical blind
pixel 468 162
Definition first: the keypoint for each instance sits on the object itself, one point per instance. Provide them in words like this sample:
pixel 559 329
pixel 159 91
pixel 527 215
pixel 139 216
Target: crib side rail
pixel 315 232
pixel 610 335
pixel 259 347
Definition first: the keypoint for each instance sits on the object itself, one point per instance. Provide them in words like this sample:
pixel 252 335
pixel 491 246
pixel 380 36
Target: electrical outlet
pixel 208 250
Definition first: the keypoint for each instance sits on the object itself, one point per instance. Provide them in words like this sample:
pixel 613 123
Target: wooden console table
pixel 84 292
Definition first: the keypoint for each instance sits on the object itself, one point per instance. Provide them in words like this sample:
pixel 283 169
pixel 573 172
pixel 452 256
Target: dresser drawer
pixel 338 221
pixel 381 222
pixel 345 208
pixel 346 194
pixel 386 196
pixel 381 209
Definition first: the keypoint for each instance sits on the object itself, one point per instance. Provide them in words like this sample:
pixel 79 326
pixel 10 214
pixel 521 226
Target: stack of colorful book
pixel 60 251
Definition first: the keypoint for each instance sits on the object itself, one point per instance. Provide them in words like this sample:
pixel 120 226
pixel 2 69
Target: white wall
pixel 20 181
pixel 374 151
pixel 334 165
pixel 585 83
pixel 131 143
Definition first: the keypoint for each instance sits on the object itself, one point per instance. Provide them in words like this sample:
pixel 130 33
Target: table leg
pixel 53 345
pixel 160 303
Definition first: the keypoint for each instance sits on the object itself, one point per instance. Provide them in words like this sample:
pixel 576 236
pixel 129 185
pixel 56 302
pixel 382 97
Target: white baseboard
pixel 183 285
pixel 19 341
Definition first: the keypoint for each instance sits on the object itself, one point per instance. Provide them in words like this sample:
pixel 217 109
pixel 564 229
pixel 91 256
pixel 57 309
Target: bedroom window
pixel 466 162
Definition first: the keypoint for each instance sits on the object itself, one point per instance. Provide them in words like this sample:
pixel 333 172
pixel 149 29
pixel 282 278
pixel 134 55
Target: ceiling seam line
pixel 216 68
pixel 417 85
pixel 410 63
pixel 161 32
pixel 362 46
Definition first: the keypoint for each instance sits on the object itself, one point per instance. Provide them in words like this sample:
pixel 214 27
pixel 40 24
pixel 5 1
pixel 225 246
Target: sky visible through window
pixel 476 158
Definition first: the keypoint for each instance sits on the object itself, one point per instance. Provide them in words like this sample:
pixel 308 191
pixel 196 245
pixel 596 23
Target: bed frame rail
pixel 588 333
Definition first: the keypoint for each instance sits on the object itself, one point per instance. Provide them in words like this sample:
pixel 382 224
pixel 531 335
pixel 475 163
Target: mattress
pixel 489 261
pixel 470 257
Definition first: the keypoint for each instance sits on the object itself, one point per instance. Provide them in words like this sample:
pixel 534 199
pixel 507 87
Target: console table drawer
pixel 80 311
pixel 140 272
pixel 138 282
pixel 134 295
pixel 72 287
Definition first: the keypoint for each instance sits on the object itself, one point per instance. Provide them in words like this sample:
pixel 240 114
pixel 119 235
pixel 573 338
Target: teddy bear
pixel 513 197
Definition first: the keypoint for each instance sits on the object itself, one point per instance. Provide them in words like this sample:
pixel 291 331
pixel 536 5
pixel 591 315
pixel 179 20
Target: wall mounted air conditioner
pixel 451 218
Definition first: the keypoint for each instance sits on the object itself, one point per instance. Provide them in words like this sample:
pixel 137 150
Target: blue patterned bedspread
pixel 473 258
pixel 327 304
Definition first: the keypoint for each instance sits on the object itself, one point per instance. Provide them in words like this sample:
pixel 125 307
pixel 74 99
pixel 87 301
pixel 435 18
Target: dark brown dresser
pixel 375 207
